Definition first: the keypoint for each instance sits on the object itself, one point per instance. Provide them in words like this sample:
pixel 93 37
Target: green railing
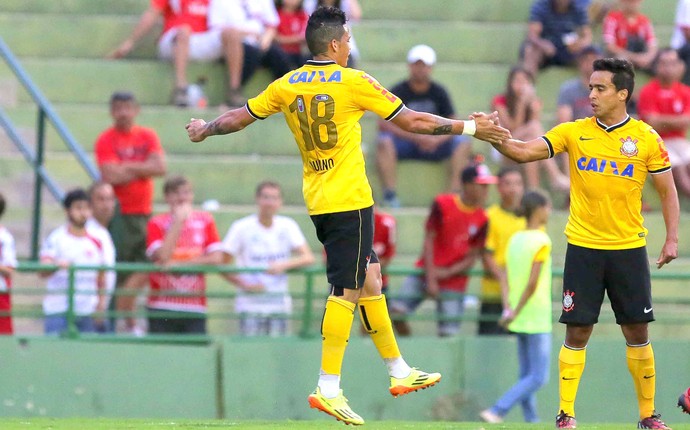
pixel 45 114
pixel 312 295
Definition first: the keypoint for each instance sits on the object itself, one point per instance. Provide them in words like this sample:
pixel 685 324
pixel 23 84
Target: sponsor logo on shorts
pixel 568 301
pixel 646 310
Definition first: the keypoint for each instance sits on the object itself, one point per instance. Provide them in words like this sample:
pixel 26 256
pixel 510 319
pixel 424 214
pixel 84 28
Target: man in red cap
pixel 454 239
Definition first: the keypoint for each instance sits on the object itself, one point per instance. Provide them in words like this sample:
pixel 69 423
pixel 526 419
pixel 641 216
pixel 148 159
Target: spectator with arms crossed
pixel 129 156
pixel 610 156
pixel 322 103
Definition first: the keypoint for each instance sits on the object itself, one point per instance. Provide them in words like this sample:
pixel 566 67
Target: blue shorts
pixel 409 151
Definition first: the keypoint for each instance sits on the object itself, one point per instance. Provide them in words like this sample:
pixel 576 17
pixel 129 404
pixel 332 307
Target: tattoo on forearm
pixel 443 129
pixel 214 128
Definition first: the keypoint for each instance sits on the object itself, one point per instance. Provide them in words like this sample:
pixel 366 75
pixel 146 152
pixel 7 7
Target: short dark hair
pixel 173 183
pixel 508 170
pixel 623 73
pixel 122 96
pixel 75 195
pixel 267 184
pixel 2 204
pixel 324 25
pixel 531 201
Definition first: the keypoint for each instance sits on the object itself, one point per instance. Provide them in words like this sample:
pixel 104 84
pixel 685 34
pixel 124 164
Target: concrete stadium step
pixel 86 121
pixel 471 86
pixel 378 40
pixel 119 7
pixel 232 179
pixel 659 11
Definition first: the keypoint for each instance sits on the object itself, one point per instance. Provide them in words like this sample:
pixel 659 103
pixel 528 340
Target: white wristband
pixel 470 127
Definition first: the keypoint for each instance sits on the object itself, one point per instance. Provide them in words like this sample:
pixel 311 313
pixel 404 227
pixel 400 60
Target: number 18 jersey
pixel 322 103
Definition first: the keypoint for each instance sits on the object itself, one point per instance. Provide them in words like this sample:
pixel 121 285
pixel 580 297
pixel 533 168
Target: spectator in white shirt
pixel 68 245
pixel 270 241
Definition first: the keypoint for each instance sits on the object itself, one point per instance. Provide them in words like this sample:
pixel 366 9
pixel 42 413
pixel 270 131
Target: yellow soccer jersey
pixel 608 168
pixel 502 225
pixel 322 103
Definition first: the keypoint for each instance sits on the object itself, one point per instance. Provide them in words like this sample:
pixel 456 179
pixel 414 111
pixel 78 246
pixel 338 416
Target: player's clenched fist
pixel 195 130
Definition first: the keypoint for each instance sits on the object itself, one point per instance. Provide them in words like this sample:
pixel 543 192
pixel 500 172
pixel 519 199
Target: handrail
pixel 30 158
pixel 50 113
pixel 45 112
pixel 309 294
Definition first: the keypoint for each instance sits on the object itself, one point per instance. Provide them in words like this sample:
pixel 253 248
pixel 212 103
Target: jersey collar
pixel 320 62
pixel 609 128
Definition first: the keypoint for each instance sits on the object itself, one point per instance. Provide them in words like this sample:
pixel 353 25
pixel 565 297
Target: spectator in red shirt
pixel 181 236
pixel 629 34
pixel 454 239
pixel 129 156
pixel 291 30
pixel 186 35
pixel 665 105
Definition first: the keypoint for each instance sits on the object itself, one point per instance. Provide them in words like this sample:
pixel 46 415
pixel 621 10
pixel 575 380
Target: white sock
pixel 397 367
pixel 329 385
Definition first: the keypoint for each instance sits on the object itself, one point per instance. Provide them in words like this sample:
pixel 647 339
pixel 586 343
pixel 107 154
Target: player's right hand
pixel 488 130
pixel 195 130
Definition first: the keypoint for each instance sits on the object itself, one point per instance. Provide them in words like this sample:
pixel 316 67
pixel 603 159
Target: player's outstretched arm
pixel 670 208
pixel 523 152
pixel 229 122
pixel 481 126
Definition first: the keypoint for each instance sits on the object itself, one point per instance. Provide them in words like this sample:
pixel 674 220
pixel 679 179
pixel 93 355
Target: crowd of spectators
pixel 113 220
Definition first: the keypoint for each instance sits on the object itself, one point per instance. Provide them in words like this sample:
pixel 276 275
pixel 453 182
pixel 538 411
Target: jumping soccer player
pixel 322 103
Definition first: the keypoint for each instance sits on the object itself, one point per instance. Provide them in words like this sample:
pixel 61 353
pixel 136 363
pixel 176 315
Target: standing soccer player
pixel 610 155
pixel 322 103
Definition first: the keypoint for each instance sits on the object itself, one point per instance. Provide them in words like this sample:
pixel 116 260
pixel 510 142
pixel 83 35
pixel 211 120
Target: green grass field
pixel 130 424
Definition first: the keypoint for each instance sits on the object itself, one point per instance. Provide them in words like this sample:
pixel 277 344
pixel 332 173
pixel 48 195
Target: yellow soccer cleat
pixel 336 407
pixel 416 380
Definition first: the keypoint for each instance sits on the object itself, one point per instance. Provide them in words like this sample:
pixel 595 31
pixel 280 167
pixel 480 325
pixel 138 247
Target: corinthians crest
pixel 568 301
pixel 629 147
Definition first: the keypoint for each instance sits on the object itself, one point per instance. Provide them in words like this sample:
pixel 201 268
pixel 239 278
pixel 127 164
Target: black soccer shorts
pixel 348 239
pixel 624 276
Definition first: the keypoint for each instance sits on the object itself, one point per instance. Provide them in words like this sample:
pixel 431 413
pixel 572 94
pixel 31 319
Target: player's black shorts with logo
pixel 348 238
pixel 623 274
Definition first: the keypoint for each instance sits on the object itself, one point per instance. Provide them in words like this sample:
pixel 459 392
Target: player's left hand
pixel 195 130
pixel 669 252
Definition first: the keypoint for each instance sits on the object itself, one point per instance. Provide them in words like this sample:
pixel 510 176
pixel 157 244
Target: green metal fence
pixel 309 292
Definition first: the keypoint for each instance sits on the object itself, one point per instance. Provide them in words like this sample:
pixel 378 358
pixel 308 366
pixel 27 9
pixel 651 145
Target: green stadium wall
pixel 270 379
